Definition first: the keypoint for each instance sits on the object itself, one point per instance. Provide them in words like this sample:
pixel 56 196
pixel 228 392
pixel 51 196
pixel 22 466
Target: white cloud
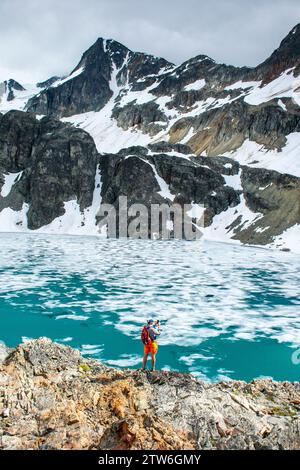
pixel 40 38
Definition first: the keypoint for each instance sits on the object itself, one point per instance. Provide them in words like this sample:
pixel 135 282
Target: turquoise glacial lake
pixel 228 312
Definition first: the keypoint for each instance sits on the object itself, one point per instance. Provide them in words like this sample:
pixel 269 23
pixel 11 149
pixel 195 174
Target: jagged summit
pixel 291 43
pixel 13 84
pixel 105 65
pixel 286 56
pixel 101 52
pixel 197 59
pixel 108 64
pixel 48 82
pixel 8 87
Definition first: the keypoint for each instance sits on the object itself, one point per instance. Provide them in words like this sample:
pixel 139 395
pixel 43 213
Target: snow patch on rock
pixel 286 160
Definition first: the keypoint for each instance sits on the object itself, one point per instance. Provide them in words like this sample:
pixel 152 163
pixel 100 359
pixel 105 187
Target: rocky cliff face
pixel 46 165
pixel 52 398
pixel 285 57
pixel 49 163
pixel 219 184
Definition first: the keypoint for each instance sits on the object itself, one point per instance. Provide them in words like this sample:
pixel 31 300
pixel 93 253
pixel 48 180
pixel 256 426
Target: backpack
pixel 145 337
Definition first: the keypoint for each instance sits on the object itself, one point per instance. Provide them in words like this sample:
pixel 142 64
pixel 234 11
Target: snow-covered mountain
pixel 124 98
pixel 247 113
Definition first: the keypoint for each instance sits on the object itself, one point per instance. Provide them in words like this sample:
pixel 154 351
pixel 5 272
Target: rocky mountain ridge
pixel 52 170
pixel 214 107
pixel 199 133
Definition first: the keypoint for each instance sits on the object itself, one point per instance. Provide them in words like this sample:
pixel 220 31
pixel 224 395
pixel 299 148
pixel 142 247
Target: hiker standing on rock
pixel 148 337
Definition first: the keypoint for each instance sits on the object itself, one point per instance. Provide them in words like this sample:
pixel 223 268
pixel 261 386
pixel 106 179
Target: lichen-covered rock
pixel 52 398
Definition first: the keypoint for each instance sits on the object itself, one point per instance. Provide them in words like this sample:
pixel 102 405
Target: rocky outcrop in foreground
pixel 52 398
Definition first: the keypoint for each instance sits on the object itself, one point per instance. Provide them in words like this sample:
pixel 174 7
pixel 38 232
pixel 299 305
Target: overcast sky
pixel 40 38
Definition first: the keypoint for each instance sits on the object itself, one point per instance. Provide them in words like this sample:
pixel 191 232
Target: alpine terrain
pixel 128 123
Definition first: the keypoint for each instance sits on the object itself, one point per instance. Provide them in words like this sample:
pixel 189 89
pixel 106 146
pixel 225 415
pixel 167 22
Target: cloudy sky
pixel 40 38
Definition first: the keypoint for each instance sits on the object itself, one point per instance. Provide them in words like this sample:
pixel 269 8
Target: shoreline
pixel 232 243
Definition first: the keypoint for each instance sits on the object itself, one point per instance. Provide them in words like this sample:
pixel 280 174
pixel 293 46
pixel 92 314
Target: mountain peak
pixel 108 45
pixel 290 45
pixel 13 84
pixel 286 56
pixel 9 86
pixel 103 51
